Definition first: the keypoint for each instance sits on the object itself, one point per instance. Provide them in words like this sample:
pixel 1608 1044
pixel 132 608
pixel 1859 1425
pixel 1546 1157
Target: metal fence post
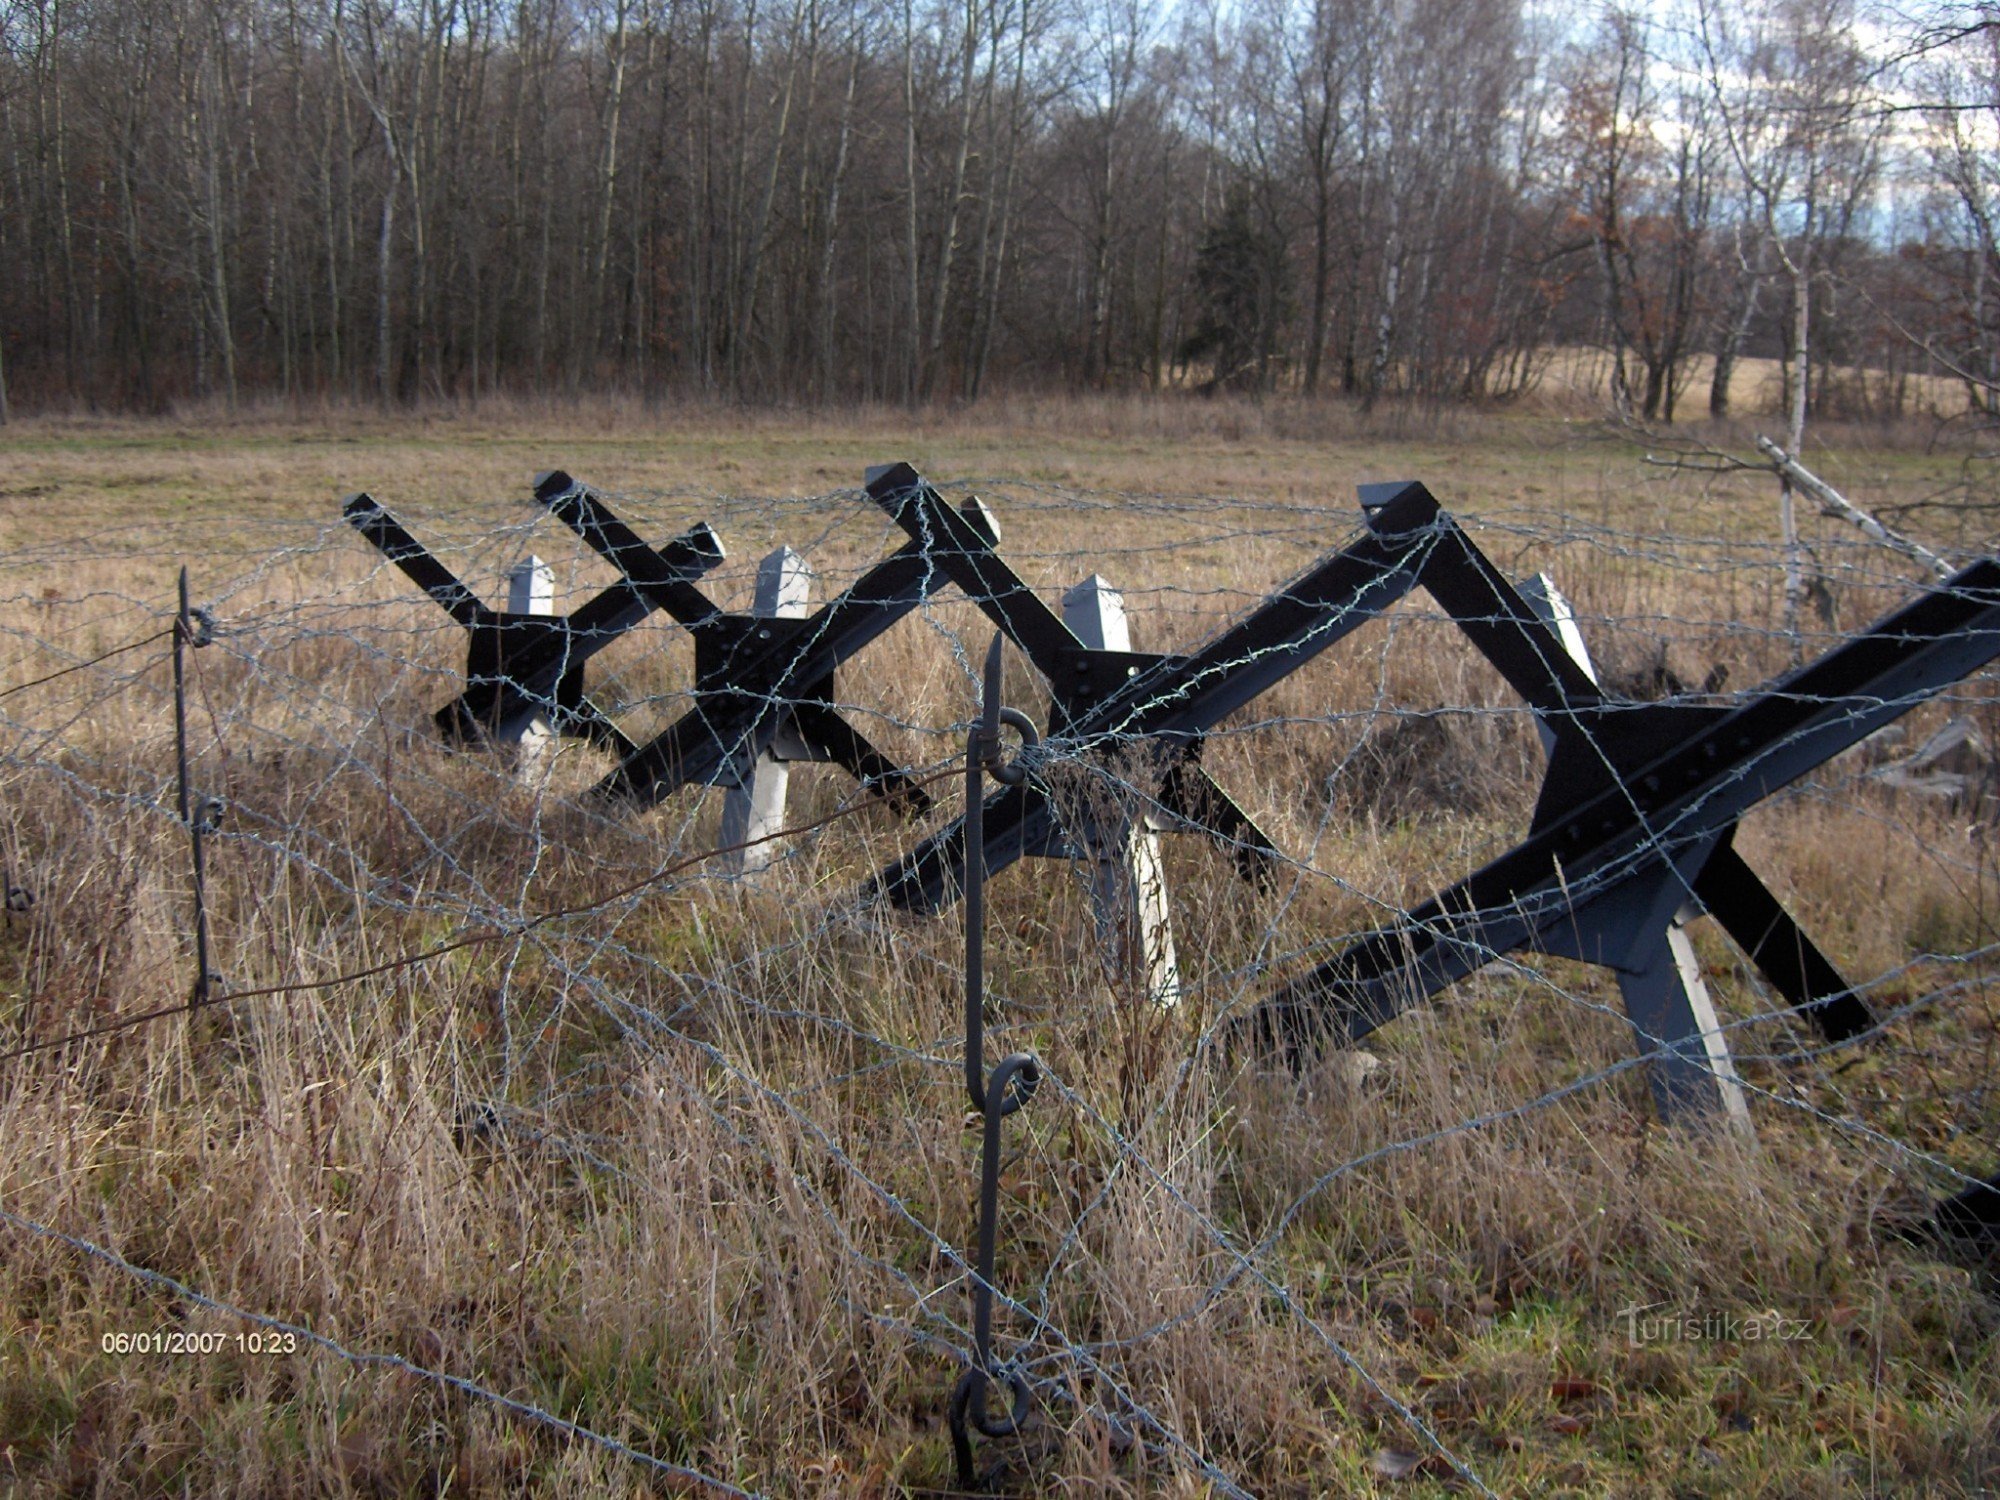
pixel 199 815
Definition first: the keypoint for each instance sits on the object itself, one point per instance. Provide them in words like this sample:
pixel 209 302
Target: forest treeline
pixel 926 199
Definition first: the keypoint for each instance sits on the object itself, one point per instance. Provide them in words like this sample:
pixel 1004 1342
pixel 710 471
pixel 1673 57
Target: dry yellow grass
pixel 688 1167
pixel 1582 377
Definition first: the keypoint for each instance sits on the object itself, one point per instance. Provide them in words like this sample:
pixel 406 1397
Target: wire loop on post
pixel 968 1412
pixel 208 817
pixel 196 626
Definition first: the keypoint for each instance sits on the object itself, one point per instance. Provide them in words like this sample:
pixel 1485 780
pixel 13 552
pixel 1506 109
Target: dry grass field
pixel 528 1151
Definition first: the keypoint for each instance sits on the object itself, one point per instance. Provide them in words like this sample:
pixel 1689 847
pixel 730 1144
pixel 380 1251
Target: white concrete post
pixel 531 590
pixel 1546 600
pixel 1664 992
pixel 1667 999
pixel 755 809
pixel 1128 885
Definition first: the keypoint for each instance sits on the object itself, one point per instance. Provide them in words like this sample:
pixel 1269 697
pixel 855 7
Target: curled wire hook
pixel 982 749
pixel 194 624
pixel 1012 1084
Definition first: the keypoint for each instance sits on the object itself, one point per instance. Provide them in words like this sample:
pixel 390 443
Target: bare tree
pixel 1794 100
pixel 1644 157
pixel 1962 77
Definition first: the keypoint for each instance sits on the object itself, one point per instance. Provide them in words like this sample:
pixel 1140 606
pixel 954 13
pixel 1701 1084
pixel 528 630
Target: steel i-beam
pixel 523 665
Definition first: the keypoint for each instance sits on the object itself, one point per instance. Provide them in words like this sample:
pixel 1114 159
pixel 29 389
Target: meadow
pixel 527 1148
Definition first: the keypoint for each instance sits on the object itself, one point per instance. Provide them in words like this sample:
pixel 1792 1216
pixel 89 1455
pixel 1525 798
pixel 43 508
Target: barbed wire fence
pixel 465 991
